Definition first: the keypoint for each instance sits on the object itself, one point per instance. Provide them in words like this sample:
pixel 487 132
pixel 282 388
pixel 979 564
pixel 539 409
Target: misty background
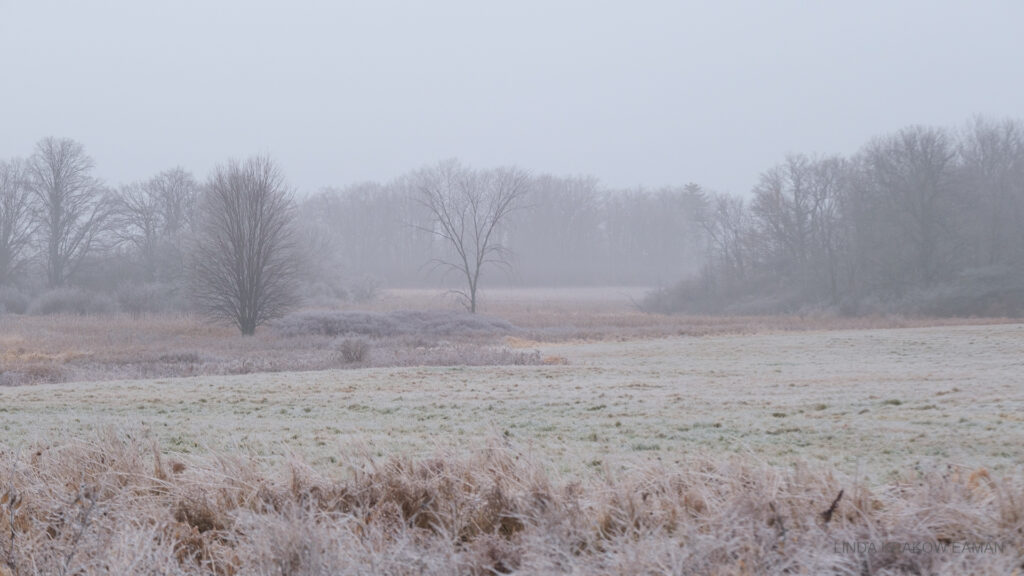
pixel 651 94
pixel 742 157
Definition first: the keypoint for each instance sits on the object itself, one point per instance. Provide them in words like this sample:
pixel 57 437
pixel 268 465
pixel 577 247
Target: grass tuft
pixel 93 505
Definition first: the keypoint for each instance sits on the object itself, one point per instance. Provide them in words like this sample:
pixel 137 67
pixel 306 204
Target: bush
pixel 12 301
pixel 364 289
pixel 354 350
pixel 445 323
pixel 691 296
pixel 71 301
pixel 333 323
pixel 990 292
pixel 138 299
pixel 321 294
pixel 35 374
pixel 402 322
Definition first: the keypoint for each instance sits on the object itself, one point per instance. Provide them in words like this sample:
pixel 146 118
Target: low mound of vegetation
pixel 71 301
pixel 115 504
pixel 71 348
pixel 425 323
pixel 993 292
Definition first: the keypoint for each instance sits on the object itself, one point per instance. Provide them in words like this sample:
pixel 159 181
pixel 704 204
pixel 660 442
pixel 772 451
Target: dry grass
pixel 54 349
pixel 112 503
pixel 867 402
pixel 587 314
pixel 767 445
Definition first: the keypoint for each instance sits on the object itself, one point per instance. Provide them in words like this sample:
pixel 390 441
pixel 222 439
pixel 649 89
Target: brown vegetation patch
pixel 91 506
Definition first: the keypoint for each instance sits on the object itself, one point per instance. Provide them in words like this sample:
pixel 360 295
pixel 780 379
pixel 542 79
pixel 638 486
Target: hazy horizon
pixel 650 95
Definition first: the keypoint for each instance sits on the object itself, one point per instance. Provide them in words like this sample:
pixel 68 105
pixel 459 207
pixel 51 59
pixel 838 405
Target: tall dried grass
pixel 49 349
pixel 67 348
pixel 114 504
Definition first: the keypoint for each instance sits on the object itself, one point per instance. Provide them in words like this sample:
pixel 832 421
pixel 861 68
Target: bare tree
pixel 828 176
pixel 992 156
pixel 558 236
pixel 727 225
pixel 910 182
pixel 468 208
pixel 72 207
pixel 176 193
pixel 153 218
pixel 795 207
pixel 245 258
pixel 137 223
pixel 15 220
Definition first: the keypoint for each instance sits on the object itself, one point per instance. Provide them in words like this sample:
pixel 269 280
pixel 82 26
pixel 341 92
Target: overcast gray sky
pixel 635 93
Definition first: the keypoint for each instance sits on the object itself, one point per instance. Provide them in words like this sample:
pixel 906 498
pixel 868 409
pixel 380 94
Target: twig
pixel 84 494
pixel 777 521
pixel 12 501
pixel 827 514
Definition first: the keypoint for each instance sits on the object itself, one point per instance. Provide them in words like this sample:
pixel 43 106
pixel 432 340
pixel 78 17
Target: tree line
pixel 240 247
pixel 226 247
pixel 565 231
pixel 925 220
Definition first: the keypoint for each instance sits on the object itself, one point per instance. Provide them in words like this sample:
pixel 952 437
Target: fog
pixel 738 158
pixel 654 94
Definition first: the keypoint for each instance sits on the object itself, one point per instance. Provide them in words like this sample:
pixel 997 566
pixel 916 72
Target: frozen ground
pixel 871 402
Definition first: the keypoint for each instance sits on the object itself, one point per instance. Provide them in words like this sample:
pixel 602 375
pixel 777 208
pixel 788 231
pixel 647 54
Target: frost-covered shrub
pixel 13 301
pixel 72 301
pixel 402 322
pixel 354 350
pixel 153 298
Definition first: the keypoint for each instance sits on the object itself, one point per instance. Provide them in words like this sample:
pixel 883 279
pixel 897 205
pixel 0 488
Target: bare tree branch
pixel 16 224
pixel 72 207
pixel 246 257
pixel 468 208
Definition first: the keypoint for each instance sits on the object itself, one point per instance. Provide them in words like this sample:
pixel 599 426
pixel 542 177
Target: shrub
pixel 12 301
pixel 488 508
pixel 181 358
pixel 34 374
pixel 446 323
pixel 333 323
pixel 354 350
pixel 321 294
pixel 402 322
pixel 364 289
pixel 992 292
pixel 71 301
pixel 138 299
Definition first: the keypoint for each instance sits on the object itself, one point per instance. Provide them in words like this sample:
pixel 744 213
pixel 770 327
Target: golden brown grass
pixel 843 452
pixel 560 314
pixel 112 503
pixel 864 401
pixel 55 349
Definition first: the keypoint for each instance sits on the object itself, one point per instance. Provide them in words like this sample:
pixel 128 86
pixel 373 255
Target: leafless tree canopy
pixel 71 205
pixel 245 259
pixel 468 207
pixel 15 220
pixel 153 217
pixel 924 220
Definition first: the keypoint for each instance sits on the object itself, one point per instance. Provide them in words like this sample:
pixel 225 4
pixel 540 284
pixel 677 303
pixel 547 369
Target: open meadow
pixel 588 438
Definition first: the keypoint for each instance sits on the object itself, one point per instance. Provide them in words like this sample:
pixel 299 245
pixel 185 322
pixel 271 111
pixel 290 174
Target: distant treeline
pixel 77 244
pixel 567 231
pixel 925 220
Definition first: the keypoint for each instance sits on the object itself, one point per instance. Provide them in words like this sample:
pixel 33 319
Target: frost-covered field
pixel 868 401
pixel 871 451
